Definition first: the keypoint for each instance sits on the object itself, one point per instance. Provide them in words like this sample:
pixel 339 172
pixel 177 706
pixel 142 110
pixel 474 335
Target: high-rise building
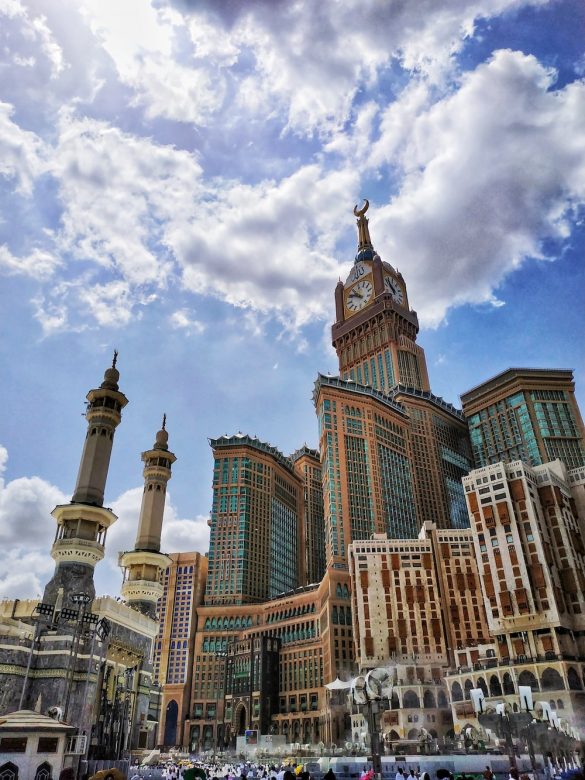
pixel 308 467
pixel 414 602
pixel 392 453
pixel 416 598
pixel 527 414
pixel 530 549
pixel 256 529
pixel 183 588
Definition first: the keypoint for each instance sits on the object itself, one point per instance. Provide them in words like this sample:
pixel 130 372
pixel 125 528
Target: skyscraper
pixel 256 528
pixel 392 452
pixel 527 414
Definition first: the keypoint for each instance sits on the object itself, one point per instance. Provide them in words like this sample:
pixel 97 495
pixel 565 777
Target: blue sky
pixel 177 181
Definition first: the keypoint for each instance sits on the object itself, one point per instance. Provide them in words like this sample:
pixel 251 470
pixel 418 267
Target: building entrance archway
pixel 241 720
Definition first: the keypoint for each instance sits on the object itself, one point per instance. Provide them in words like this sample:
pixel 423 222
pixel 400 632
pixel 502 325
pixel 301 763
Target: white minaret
pixel 141 587
pixel 83 523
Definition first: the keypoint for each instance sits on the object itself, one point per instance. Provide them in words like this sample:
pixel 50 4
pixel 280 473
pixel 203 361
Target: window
pixel 13 744
pixel 48 744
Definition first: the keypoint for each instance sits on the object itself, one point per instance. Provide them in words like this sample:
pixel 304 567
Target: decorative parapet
pixel 142 590
pixel 77 551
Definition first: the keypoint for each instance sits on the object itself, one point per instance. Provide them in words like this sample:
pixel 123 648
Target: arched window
pixel 495 686
pixel 429 700
pixel 573 679
pixel 44 771
pixel 394 702
pixel 410 700
pixel 442 699
pixel 508 684
pixel 481 684
pixel 560 705
pixel 456 692
pixel 552 680
pixel 468 686
pixel 8 771
pixel 527 678
pixel 412 734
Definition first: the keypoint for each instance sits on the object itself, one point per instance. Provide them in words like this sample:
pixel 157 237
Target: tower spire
pixel 142 566
pixel 365 249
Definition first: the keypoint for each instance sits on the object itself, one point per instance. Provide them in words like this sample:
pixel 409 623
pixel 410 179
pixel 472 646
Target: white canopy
pixel 339 685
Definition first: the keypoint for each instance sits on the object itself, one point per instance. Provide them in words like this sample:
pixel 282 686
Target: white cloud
pixel 40 264
pixel 21 152
pixel 145 44
pixel 182 320
pixel 489 172
pixel 26 533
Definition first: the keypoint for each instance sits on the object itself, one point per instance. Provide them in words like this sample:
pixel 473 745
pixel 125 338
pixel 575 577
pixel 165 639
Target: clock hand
pixel 355 294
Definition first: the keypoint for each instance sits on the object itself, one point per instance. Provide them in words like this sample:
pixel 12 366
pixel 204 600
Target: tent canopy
pixel 339 685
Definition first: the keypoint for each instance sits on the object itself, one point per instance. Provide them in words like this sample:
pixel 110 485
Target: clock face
pixel 359 295
pixel 391 286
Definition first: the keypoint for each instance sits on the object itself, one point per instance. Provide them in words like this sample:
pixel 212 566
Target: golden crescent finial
pixel 360 212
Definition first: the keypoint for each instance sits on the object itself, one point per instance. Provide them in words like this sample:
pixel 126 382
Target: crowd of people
pixel 213 770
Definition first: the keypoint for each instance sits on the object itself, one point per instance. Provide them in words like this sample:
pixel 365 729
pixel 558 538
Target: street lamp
pixel 371 695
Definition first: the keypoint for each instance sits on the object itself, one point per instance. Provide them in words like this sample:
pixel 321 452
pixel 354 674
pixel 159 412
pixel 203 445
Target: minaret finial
pixel 364 240
pixel 115 360
pixel 164 422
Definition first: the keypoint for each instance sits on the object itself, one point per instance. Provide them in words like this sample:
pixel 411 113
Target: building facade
pixel 527 414
pixel 256 523
pixel 415 601
pixel 183 583
pixel 530 549
pixel 307 466
pixel 313 625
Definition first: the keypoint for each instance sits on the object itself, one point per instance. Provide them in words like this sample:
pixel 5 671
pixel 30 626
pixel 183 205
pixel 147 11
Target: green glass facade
pixel 535 426
pixel 255 516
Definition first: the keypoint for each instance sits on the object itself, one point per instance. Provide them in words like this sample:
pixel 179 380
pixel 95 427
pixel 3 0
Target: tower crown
pixel 162 437
pixel 365 250
pixel 111 375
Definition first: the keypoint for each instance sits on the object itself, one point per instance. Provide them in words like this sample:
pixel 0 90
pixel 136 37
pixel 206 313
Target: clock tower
pixel 375 330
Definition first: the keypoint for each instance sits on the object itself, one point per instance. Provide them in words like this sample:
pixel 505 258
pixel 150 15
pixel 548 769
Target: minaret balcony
pixel 135 558
pixel 77 551
pixel 95 514
pixel 142 590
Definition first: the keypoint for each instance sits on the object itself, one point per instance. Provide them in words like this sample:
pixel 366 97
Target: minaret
pixel 82 524
pixel 141 587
